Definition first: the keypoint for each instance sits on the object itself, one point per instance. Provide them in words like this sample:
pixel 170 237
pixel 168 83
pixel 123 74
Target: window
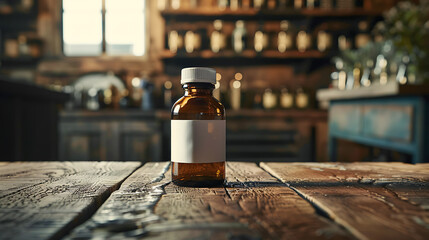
pixel 96 27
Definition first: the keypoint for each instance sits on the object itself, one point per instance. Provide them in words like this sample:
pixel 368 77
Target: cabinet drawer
pixel 390 122
pixel 345 118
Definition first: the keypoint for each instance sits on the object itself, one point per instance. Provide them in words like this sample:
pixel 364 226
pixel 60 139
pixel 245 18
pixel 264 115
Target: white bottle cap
pixel 198 75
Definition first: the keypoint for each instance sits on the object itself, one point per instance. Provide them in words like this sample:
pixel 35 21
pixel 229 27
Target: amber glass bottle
pixel 198 132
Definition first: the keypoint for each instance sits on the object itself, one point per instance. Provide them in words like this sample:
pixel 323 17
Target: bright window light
pixel 124 22
pixel 125 27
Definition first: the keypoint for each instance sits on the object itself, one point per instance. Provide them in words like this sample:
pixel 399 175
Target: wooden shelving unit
pixel 209 13
pixel 308 19
pixel 267 54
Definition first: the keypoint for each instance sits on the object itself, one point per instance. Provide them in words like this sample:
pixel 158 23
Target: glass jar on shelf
pixel 302 100
pixel 217 37
pixel 269 99
pixel 239 37
pixel 285 37
pixel 286 98
pixel 324 41
pixel 260 39
pixel 303 41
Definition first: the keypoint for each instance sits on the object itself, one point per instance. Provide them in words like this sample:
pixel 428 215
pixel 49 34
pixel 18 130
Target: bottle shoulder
pixel 197 107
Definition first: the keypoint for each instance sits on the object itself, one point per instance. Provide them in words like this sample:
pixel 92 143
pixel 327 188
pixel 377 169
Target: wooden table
pixel 117 200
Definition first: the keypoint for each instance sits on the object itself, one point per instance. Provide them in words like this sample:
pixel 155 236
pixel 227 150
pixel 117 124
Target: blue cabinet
pixel 397 120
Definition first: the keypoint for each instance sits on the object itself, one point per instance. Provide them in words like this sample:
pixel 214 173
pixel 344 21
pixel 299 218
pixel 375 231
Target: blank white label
pixel 198 141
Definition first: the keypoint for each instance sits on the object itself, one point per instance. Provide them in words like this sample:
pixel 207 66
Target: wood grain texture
pixel 253 205
pixel 45 200
pixel 274 209
pixel 371 200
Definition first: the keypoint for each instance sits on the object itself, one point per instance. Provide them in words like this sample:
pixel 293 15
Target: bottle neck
pixel 198 89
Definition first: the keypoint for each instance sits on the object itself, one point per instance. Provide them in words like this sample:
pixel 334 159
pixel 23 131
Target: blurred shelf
pixel 301 61
pixel 166 114
pixel 208 54
pixel 26 61
pixel 211 13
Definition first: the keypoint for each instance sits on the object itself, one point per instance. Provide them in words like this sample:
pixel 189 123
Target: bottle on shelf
pixel 217 38
pixel 125 100
pixel 324 41
pixel 107 98
pixel 380 70
pixel 378 32
pixel 362 37
pixel 357 75
pixel 222 4
pixel 136 92
pixel 344 43
pixel 286 99
pixel 175 4
pixel 366 79
pixel 167 92
pixel 147 93
pixel 298 4
pixel 235 86
pixel 311 4
pixel 402 74
pixel 303 41
pixel 175 41
pixel 92 103
pixel 342 80
pixel 246 4
pixel 269 99
pixel 342 75
pixel 334 80
pixel 192 41
pixel 162 5
pixel 26 5
pixel 257 100
pixel 23 48
pixel 239 37
pixel 271 4
pixel 11 48
pixel 301 99
pixel 284 37
pixel 198 132
pixel 216 90
pixel 350 81
pixel 258 4
pixel 260 39
pixel 234 5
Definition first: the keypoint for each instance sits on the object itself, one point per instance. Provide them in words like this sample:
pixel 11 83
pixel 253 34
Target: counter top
pixel 373 91
pixel 165 114
pixel 119 200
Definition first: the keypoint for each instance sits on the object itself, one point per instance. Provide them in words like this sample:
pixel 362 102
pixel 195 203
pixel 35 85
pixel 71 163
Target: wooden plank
pixel 274 209
pixel 253 205
pixel 362 197
pixel 45 200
